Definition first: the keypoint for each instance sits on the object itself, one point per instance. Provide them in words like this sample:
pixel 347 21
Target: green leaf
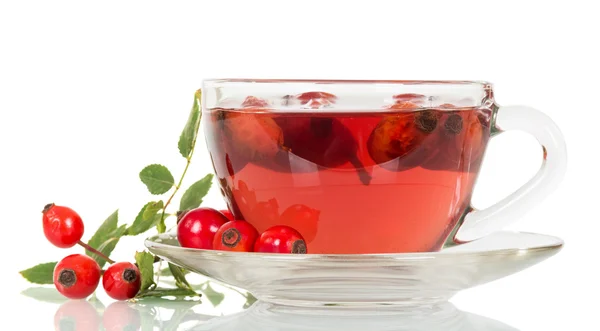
pixel 250 300
pixel 109 245
pixel 147 218
pixel 40 274
pixel 161 227
pixel 178 274
pixel 187 140
pixel 166 272
pixel 158 179
pixel 213 296
pixel 145 262
pixel 152 209
pixel 165 292
pixel 105 232
pixel 192 198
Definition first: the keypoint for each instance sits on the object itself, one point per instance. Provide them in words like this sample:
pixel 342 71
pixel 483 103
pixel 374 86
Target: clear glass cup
pixel 368 166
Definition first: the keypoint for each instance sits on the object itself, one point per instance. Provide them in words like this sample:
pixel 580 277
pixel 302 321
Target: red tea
pixel 395 179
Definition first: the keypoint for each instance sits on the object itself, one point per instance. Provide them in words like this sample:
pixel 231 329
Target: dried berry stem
pixel 95 251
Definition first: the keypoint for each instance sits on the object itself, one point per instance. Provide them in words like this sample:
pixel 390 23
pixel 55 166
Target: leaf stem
pixel 95 251
pixel 161 226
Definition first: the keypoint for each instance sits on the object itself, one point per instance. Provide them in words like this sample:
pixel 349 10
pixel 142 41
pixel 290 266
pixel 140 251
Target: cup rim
pixel 215 81
pixel 357 95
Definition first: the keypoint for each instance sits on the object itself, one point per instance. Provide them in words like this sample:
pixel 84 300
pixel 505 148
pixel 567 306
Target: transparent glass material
pixel 367 166
pixel 268 317
pixel 363 280
pixel 228 309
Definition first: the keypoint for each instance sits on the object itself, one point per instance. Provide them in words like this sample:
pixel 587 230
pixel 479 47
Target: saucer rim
pixel 151 243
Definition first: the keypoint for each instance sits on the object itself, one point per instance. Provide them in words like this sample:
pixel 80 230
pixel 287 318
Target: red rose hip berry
pixel 280 239
pixel 228 214
pixel 63 227
pixel 238 236
pixel 76 276
pixel 197 227
pixel 122 281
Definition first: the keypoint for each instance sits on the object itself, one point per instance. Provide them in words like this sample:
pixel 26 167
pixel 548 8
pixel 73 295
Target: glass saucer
pixel 364 280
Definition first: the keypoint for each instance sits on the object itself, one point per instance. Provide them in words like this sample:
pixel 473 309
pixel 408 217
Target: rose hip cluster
pixel 77 275
pixel 207 228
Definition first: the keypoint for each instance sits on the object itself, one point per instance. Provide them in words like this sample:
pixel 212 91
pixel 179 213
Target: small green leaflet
pixel 106 232
pixel 213 296
pixel 145 262
pixel 167 272
pixel 147 218
pixel 109 245
pixel 158 179
pixel 40 274
pixel 152 209
pixel 178 274
pixel 192 198
pixel 187 140
pixel 250 300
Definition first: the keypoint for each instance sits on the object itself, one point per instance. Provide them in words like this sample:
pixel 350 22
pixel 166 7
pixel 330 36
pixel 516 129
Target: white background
pixel 91 92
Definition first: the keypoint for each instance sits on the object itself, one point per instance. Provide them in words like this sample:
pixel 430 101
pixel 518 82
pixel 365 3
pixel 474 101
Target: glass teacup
pixel 367 166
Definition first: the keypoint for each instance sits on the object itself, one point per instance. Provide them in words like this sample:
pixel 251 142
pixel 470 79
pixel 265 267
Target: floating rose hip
pixel 63 227
pixel 122 281
pixel 197 227
pixel 253 101
pixel 400 104
pixel 316 99
pixel 402 136
pixel 254 136
pixel 412 97
pixel 236 236
pixel 280 239
pixel 462 140
pixel 76 276
pixel 324 141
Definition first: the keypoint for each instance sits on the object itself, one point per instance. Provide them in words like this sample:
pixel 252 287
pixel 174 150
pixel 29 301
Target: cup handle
pixel 479 223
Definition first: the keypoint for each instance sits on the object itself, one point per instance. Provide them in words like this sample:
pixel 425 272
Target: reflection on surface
pixel 234 314
pixel 148 314
pixel 267 317
pixel 77 315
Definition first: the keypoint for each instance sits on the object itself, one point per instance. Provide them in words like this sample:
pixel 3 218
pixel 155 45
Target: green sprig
pixel 158 180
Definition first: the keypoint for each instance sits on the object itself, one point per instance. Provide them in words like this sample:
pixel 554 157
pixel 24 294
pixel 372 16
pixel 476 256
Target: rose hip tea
pixel 388 170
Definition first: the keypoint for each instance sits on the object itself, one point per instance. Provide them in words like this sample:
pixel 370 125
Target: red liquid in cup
pixel 383 181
